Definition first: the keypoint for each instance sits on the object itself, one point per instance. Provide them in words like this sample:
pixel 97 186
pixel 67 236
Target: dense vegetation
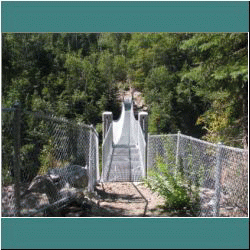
pixel 193 82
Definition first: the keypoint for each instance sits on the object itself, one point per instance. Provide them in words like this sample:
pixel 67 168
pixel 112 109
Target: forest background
pixel 193 82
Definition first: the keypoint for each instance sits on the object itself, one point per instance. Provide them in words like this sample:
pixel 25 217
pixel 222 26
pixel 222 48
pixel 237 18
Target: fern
pixel 175 188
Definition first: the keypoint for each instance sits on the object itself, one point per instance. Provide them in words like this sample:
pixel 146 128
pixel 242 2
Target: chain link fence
pixel 46 162
pixel 219 174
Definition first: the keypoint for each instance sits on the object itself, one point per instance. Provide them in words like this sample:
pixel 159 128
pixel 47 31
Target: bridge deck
pixel 125 162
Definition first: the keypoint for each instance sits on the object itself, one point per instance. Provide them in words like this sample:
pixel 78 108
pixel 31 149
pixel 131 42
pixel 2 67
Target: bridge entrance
pixel 124 146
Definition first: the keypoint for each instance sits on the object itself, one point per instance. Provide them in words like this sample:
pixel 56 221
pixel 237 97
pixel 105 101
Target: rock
pixel 59 185
pixel 44 184
pixel 76 176
pixel 86 206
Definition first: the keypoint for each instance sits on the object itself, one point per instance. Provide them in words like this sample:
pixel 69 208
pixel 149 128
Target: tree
pixel 220 66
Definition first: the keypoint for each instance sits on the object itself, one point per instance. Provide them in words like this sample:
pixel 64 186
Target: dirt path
pixel 125 199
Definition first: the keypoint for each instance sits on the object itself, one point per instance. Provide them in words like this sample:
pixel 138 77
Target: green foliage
pixel 173 183
pixel 64 74
pixel 221 121
pixel 46 158
pixel 105 65
pixel 182 77
pixel 7 179
pixel 120 68
pixel 220 68
pixel 99 128
pixel 155 68
pixel 170 187
pixel 29 166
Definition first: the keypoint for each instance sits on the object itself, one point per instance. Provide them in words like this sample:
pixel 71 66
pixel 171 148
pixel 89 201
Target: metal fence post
pixel 149 164
pixel 97 159
pixel 107 119
pixel 143 123
pixel 90 186
pixel 177 148
pixel 218 180
pixel 17 145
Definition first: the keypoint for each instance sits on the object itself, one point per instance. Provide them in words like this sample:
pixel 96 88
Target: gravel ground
pixel 116 199
pixel 125 199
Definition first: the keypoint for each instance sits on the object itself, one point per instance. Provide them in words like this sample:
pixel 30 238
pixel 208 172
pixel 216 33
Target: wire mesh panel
pixel 197 161
pixel 216 173
pixel 158 146
pixel 234 182
pixel 58 160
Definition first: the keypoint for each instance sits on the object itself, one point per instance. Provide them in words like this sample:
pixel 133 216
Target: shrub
pixel 171 187
pixel 48 159
pixel 179 188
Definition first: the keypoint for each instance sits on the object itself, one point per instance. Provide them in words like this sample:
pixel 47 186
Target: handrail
pixel 142 149
pixel 134 124
pixel 118 125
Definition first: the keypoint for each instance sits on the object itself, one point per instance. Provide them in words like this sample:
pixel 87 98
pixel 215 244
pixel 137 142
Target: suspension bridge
pixel 124 145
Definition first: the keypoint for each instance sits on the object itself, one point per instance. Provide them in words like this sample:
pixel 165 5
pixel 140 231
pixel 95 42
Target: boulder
pixel 44 184
pixel 60 183
pixel 74 175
